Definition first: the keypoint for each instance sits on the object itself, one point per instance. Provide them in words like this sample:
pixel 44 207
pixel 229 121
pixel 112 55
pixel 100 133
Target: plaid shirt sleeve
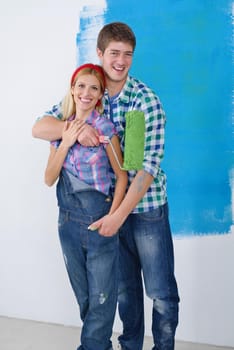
pixel 155 120
pixel 55 111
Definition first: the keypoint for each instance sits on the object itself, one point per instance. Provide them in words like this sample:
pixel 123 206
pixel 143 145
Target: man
pixel 146 246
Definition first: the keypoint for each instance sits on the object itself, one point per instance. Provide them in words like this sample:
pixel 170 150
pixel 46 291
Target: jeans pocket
pixel 152 215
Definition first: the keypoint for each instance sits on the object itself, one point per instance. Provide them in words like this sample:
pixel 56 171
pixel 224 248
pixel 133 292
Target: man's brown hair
pixel 115 31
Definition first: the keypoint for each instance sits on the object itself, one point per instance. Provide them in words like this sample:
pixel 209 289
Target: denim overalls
pixel 91 259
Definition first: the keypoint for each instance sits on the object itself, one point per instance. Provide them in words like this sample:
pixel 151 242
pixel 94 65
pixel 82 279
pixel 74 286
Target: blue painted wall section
pixel 184 52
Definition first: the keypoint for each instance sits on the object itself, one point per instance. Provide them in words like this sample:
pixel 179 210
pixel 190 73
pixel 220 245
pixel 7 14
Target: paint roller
pixel 134 141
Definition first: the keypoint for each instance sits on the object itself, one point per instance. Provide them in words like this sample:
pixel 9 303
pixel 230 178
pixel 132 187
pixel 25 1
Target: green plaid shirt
pixel 137 96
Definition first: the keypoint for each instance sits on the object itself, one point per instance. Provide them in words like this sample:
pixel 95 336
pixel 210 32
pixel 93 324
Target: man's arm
pixel 49 125
pixel 48 128
pixel 110 224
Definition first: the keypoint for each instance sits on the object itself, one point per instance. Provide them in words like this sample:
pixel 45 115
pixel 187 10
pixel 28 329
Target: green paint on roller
pixel 134 140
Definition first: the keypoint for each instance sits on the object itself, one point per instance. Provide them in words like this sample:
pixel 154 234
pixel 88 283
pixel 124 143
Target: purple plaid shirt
pixel 91 164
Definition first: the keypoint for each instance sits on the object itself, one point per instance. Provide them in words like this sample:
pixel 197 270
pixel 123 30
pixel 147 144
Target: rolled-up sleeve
pixel 155 120
pixel 55 111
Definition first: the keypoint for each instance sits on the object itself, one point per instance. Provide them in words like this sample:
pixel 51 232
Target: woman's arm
pixel 121 175
pixel 104 225
pixel 57 156
pixel 54 164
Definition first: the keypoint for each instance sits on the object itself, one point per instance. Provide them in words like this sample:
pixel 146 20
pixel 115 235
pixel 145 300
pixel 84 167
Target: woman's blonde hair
pixel 68 104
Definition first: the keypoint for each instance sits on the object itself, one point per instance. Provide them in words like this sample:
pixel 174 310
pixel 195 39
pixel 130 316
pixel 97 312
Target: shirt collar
pixel 124 94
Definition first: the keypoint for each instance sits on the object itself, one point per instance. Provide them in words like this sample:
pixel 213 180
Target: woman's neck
pixel 83 115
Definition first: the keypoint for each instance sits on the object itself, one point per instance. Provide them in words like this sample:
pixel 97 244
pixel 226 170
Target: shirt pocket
pixel 91 155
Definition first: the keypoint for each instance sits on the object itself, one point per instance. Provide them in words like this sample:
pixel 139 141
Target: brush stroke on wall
pixel 184 52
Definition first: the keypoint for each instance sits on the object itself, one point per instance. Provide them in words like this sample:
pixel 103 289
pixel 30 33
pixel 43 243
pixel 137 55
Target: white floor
pixel 19 334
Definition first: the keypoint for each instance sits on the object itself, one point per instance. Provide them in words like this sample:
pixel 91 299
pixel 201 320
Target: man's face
pixel 116 61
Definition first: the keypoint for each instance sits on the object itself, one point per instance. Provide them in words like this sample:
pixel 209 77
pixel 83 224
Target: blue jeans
pixel 91 261
pixel 146 248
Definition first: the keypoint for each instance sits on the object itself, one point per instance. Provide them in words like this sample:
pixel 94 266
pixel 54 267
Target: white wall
pixel 37 56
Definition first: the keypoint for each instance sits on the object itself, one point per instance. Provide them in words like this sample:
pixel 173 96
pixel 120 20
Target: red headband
pixel 91 66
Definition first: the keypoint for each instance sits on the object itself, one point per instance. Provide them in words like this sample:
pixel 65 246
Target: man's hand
pixel 107 226
pixel 88 136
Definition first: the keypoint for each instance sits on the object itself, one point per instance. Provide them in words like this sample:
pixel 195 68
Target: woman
pixel 83 194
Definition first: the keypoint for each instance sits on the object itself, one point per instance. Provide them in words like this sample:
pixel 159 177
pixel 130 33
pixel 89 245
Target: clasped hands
pixel 78 130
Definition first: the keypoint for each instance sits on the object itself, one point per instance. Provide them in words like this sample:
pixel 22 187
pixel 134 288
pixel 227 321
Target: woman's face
pixel 86 92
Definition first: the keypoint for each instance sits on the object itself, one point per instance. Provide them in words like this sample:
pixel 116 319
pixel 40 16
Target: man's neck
pixel 113 87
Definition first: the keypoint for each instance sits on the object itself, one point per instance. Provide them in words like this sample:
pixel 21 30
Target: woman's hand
pixel 70 133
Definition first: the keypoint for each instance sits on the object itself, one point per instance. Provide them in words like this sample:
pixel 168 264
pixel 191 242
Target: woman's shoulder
pixel 102 120
pixel 105 126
